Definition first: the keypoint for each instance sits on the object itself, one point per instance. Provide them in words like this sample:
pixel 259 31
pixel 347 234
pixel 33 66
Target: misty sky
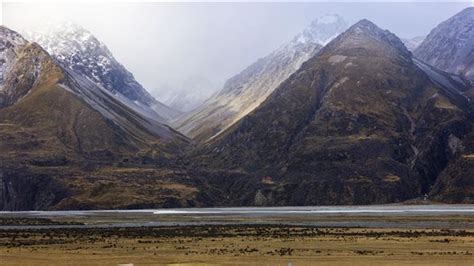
pixel 166 45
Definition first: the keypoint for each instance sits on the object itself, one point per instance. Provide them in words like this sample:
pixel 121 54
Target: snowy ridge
pixel 78 50
pixel 75 47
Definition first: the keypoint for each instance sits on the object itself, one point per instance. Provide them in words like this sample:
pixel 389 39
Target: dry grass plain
pixel 236 245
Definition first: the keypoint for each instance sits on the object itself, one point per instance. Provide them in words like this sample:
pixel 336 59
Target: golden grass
pixel 391 178
pixel 344 247
pixel 468 156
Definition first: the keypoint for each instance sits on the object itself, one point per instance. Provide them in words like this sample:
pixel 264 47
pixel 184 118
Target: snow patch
pixel 349 64
pixel 334 59
pixel 454 144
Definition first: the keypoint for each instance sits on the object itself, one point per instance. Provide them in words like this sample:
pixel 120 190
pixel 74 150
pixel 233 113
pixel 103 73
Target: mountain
pixel 30 73
pixel 359 123
pixel 77 49
pixel 450 46
pixel 247 90
pixel 62 136
pixel 413 43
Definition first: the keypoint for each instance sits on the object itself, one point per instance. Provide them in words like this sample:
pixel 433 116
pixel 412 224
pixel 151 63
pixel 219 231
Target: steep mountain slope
pixel 78 50
pixel 244 92
pixel 450 46
pixel 57 129
pixel 358 123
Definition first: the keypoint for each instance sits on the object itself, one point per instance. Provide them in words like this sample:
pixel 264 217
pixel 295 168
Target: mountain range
pixel 339 115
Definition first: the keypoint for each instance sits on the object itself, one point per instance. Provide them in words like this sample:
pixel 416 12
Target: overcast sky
pixel 170 43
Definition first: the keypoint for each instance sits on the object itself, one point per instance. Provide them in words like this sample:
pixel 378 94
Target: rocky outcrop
pixel 23 191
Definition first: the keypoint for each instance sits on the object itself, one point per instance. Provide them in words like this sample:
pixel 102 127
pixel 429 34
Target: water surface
pixel 416 216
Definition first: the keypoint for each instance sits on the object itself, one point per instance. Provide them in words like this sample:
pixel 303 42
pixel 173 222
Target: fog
pixel 168 46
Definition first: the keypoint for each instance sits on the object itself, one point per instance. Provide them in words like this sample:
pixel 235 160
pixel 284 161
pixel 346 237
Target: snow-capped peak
pixel 74 47
pixel 322 30
pixel 77 49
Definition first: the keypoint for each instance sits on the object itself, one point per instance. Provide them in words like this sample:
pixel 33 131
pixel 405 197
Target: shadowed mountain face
pixel 53 123
pixel 246 91
pixel 358 123
pixel 450 46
